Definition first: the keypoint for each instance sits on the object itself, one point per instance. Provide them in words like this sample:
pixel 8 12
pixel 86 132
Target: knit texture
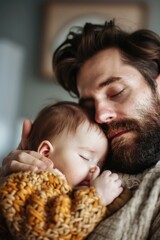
pixel 139 219
pixel 44 206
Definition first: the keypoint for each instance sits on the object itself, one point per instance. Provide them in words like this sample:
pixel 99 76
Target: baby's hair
pixel 54 119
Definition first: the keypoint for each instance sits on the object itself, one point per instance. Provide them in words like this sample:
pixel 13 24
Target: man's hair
pixel 140 49
pixel 54 119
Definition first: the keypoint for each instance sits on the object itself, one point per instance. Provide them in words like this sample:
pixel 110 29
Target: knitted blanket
pixel 139 219
pixel 38 206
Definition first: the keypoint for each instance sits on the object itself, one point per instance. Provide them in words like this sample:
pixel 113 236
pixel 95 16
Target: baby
pixel 70 200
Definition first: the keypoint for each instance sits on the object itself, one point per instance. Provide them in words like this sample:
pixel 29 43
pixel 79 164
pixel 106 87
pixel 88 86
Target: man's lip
pixel 116 133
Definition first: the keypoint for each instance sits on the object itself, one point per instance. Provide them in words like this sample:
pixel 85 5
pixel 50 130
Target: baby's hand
pixel 108 186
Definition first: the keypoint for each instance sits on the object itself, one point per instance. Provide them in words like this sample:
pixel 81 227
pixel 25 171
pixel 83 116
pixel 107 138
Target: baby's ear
pixel 45 148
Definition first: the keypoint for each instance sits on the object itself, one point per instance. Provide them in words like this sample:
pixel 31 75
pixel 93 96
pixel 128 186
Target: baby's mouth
pixel 84 183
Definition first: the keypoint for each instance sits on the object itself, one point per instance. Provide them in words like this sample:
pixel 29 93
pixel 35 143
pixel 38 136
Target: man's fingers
pixel 15 166
pixel 34 158
pixel 28 160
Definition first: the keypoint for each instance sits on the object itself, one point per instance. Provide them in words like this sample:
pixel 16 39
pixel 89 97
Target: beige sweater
pixel 139 219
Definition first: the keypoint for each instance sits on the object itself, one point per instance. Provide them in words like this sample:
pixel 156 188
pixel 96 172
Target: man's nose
pixel 104 113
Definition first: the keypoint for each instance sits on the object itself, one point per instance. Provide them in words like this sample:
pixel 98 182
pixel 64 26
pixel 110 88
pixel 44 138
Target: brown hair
pixel 140 49
pixel 54 118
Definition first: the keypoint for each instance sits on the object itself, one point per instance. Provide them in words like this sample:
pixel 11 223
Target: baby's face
pixel 75 154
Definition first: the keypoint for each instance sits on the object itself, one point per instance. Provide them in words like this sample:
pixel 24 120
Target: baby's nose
pixel 94 172
pixel 93 169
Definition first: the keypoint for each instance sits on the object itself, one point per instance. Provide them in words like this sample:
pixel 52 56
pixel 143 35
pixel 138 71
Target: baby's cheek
pixel 78 177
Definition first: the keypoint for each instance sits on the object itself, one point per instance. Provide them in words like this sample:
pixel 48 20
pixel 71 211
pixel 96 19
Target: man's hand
pixel 21 160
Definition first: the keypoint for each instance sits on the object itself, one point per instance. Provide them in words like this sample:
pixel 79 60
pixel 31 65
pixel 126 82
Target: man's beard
pixel 143 151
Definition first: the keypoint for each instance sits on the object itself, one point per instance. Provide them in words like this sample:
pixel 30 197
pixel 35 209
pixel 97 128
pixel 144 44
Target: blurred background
pixel 29 32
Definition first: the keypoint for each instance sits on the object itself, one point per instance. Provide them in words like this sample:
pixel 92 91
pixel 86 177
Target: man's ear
pixel 45 148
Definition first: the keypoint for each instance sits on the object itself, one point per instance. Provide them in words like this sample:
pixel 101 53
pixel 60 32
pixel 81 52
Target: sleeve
pixel 43 206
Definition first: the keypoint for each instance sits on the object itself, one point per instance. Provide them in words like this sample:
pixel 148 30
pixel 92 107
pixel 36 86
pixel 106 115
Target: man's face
pixel 126 106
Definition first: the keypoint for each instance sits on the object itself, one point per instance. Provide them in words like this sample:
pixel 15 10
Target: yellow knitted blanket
pixel 36 206
pixel 43 206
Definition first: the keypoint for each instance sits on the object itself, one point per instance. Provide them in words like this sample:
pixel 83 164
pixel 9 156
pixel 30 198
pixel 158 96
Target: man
pixel 116 76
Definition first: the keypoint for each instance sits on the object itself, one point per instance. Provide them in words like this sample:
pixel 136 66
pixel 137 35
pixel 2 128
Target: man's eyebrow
pixel 109 81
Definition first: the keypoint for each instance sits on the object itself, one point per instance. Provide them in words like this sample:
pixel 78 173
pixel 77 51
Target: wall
pixel 20 22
